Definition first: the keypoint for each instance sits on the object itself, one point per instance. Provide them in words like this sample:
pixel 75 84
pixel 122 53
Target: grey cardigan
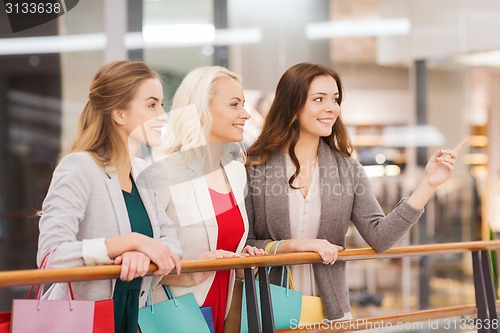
pixel 85 205
pixel 346 195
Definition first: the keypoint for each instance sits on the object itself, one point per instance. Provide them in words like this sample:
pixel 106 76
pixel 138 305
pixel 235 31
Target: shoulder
pixel 79 162
pixel 236 167
pixel 77 157
pixel 276 159
pixel 347 161
pixel 77 171
pixel 326 153
pixel 339 164
pixel 139 165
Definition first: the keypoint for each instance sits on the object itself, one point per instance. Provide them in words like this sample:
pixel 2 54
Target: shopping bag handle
pixel 40 287
pixel 289 280
pixel 169 293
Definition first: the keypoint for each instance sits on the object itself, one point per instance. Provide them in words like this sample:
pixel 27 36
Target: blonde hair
pixel 190 121
pixel 113 87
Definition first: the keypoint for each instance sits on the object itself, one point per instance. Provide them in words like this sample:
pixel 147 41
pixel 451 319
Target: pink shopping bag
pixel 52 316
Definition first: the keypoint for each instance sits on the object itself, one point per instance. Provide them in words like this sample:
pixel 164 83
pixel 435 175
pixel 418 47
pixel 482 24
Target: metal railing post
pixel 253 315
pixel 480 292
pixel 266 305
pixel 490 292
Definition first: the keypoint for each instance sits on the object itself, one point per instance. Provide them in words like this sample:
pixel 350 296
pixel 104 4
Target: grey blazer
pixel 346 196
pixel 85 205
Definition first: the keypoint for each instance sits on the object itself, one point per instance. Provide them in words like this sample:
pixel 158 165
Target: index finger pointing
pixel 460 145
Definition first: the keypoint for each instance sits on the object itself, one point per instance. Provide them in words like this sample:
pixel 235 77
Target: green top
pixel 126 295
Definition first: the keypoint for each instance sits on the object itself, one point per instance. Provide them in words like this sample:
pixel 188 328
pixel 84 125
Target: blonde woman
pixel 200 163
pixel 94 212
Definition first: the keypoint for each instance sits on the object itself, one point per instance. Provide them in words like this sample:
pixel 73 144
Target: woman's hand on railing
pixel 199 277
pixel 134 264
pixel 329 252
pixel 160 254
pixel 157 252
pixel 253 251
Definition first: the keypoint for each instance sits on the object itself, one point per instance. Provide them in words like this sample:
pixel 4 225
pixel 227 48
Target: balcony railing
pixel 485 308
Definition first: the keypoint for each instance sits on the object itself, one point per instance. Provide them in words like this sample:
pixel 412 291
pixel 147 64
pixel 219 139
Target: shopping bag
pixel 286 304
pixel 52 316
pixel 104 316
pixel 5 322
pixel 233 319
pixel 206 311
pixel 312 307
pixel 177 315
pixel 311 310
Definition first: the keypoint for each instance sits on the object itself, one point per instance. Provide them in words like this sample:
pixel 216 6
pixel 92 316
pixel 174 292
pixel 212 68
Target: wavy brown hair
pixel 281 127
pixel 113 87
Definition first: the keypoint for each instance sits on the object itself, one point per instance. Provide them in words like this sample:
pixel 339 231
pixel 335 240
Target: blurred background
pixel 418 75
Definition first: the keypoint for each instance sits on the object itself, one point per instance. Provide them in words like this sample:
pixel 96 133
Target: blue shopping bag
pixel 176 315
pixel 287 304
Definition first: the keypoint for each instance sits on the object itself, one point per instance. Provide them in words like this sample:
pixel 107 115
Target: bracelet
pixel 269 246
pixel 277 245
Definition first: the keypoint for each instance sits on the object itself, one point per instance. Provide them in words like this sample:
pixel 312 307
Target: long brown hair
pixel 281 127
pixel 113 87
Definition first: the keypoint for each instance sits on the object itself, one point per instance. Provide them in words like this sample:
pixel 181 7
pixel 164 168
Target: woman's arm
pixel 382 232
pixel 154 250
pixel 63 210
pixel 253 239
pixel 329 252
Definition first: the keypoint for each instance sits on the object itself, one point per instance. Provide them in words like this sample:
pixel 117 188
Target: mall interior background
pixel 417 74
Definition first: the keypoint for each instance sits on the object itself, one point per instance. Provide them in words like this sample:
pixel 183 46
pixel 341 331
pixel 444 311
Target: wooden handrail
pixel 34 276
pixel 386 321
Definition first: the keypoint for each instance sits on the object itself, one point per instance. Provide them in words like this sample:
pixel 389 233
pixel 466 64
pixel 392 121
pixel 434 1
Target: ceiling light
pixel 152 36
pixel 53 44
pixel 490 59
pixel 412 136
pixel 358 28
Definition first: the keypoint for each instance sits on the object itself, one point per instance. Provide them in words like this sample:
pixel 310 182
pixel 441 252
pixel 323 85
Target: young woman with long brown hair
pixel 305 188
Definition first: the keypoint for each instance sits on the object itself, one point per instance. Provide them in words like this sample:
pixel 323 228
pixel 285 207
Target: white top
pixel 305 217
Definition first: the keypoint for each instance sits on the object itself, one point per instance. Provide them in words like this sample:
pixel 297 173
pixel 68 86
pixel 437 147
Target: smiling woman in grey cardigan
pixel 305 188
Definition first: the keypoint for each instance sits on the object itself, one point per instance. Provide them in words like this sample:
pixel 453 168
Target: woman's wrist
pixel 424 191
pixel 119 244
